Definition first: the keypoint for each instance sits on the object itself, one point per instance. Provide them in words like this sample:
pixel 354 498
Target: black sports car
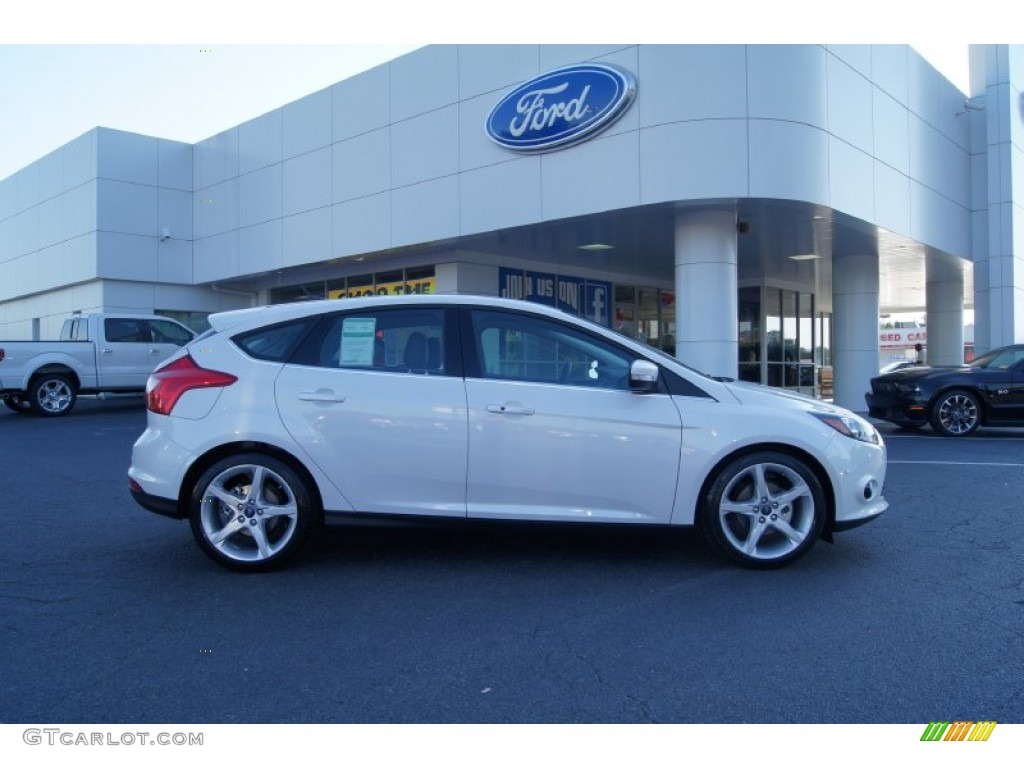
pixel 987 392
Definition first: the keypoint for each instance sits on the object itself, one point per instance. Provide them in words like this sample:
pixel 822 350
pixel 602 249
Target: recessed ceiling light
pixel 805 257
pixel 595 247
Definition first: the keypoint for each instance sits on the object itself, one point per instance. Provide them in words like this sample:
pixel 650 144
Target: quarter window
pixel 520 348
pixel 274 343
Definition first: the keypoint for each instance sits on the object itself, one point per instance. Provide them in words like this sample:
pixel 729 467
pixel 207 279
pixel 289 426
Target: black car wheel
pixel 956 413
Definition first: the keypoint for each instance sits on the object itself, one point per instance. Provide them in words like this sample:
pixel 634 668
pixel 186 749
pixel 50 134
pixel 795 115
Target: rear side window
pixel 125 329
pixel 74 330
pixel 274 342
pixel 388 340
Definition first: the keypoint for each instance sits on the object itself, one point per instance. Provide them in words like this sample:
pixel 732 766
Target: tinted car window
pixel 125 329
pixel 392 340
pixel 522 348
pixel 274 342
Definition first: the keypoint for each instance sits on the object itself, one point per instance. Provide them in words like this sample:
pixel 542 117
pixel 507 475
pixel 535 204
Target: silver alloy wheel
pixel 958 414
pixel 766 511
pixel 54 395
pixel 249 513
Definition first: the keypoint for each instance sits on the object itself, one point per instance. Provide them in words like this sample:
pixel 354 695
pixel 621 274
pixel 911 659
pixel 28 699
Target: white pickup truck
pixel 97 353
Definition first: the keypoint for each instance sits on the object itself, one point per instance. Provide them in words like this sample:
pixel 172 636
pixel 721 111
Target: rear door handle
pixel 512 409
pixel 322 396
pixel 107 351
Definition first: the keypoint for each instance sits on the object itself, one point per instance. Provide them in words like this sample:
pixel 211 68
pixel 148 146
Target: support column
pixel 944 297
pixel 706 291
pixel 855 327
pixel 997 77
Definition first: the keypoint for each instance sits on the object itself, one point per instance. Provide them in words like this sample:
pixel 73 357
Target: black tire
pixel 17 403
pixel 956 413
pixel 768 526
pixel 229 523
pixel 52 394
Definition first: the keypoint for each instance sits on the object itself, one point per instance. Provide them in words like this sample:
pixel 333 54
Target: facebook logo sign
pixel 596 307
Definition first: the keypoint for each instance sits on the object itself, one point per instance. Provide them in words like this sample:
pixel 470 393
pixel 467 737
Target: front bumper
pixel 897 408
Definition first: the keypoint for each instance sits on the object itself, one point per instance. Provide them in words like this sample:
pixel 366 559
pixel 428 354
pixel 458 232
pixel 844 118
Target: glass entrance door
pixel 782 341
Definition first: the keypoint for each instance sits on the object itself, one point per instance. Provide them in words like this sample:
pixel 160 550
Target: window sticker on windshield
pixel 357 341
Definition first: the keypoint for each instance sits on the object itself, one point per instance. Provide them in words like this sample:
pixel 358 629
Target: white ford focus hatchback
pixel 483 408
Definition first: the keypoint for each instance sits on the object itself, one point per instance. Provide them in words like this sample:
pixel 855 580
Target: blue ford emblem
pixel 561 107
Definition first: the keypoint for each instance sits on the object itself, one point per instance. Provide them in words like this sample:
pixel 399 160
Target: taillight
pixel 170 382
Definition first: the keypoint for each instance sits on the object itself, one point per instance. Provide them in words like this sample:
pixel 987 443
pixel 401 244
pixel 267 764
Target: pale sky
pixel 52 92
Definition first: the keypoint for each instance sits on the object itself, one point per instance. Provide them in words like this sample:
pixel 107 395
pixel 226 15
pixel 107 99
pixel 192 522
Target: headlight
pixel 849 425
pixel 907 389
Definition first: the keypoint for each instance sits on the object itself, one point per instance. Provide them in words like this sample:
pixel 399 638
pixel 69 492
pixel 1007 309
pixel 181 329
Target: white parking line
pixel 957 463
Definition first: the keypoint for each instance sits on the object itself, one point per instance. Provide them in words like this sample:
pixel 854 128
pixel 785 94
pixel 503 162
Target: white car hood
pixel 758 394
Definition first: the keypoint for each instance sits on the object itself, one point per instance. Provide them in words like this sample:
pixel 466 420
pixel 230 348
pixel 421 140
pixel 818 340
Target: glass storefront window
pixel 750 334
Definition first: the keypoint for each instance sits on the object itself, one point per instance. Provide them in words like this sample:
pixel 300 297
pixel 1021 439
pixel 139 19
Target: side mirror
pixel 643 376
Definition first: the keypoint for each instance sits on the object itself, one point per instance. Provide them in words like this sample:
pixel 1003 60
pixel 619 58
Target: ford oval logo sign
pixel 561 107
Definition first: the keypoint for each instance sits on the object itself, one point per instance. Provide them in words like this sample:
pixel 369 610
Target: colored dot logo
pixel 206 50
pixel 206 650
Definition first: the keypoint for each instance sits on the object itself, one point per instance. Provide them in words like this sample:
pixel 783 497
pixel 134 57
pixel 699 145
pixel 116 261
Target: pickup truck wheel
pixel 52 395
pixel 17 403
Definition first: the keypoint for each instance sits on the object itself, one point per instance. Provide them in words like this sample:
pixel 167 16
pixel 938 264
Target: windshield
pixel 999 359
pixel 654 350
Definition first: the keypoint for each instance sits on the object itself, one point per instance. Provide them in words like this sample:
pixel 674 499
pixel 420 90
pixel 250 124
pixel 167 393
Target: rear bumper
pixel 158 504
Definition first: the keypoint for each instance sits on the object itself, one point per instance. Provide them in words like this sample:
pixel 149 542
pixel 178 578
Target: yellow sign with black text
pixel 423 286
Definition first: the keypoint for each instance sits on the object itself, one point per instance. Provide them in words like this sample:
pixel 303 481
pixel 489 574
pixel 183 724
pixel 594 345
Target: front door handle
pixel 512 409
pixel 322 396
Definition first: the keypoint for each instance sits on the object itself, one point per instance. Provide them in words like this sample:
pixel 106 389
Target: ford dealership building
pixel 748 208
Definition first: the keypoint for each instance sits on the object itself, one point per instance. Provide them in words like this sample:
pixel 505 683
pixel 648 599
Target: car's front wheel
pixel 251 512
pixel 764 510
pixel 956 413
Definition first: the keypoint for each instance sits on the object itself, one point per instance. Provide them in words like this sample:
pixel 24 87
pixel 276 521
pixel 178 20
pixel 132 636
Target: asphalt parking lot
pixel 110 614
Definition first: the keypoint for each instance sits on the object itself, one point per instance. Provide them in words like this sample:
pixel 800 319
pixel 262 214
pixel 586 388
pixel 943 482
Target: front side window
pixel 386 340
pixel 523 348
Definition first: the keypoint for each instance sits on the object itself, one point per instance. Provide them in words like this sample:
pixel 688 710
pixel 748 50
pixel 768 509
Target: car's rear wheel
pixel 956 413
pixel 52 394
pixel 17 403
pixel 764 510
pixel 251 512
